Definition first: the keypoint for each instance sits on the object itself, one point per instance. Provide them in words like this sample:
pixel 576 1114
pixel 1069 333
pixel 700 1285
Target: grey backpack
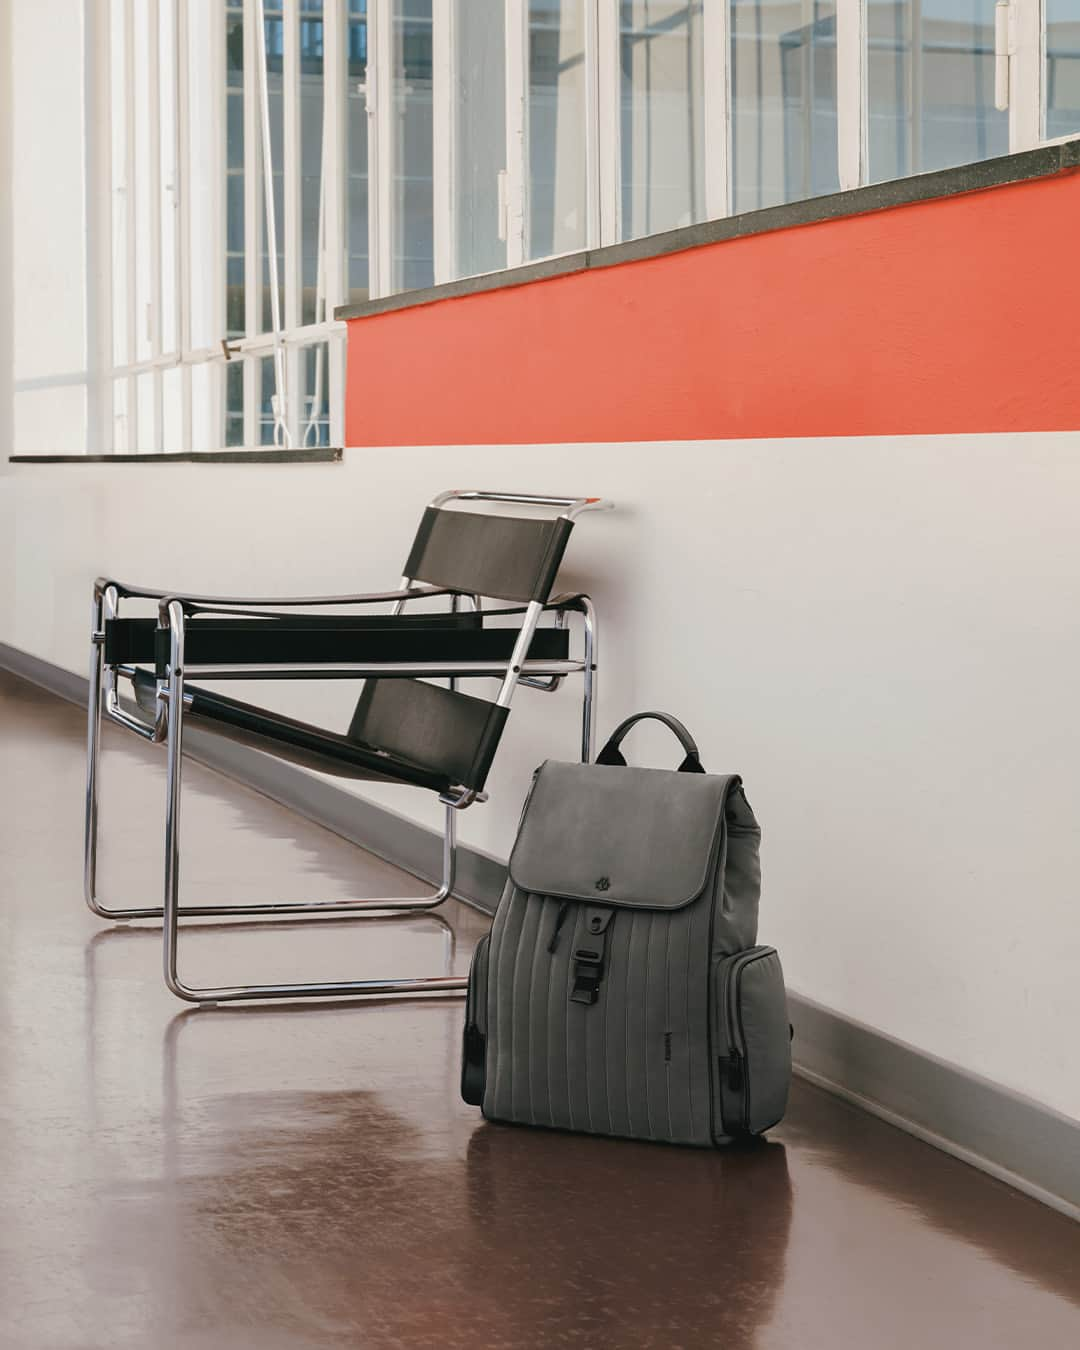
pixel 619 991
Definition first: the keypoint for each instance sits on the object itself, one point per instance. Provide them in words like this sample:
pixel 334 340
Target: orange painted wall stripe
pixel 953 315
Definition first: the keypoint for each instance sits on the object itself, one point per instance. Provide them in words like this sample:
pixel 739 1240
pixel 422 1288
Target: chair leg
pixel 93 749
pixel 439 984
pixel 588 696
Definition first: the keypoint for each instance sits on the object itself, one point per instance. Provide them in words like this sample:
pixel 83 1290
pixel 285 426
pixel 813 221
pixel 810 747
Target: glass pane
pixel 275 54
pixel 783 94
pixel 356 131
pixel 1062 81
pixel 235 323
pixel 315 406
pixel 265 432
pixel 931 86
pixel 203 434
pixel 234 295
pixel 479 136
pixel 123 441
pixel 234 403
pixel 311 130
pixel 172 409
pixel 413 243
pixel 662 116
pixel 556 135
pixel 201 198
pixel 144 387
pixel 234 215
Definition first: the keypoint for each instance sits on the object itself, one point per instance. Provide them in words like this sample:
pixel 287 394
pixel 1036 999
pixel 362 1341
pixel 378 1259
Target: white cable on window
pixel 320 294
pixel 279 402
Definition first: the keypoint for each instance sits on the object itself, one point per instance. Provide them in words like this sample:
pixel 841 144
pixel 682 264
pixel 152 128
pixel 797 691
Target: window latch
pixel 1004 48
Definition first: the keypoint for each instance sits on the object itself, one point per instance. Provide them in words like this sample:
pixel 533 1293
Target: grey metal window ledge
pixel 1044 162
pixel 323 455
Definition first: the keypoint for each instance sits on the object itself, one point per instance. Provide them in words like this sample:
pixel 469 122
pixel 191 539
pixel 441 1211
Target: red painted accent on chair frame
pixel 952 315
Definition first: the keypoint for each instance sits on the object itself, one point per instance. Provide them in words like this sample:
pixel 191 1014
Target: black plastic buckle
pixel 589 955
pixel 588 972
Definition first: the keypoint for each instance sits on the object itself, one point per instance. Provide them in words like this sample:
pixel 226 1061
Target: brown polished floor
pixel 296 1178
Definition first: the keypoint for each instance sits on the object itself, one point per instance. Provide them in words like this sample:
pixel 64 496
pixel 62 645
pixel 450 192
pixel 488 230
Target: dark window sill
pixel 327 455
pixel 923 187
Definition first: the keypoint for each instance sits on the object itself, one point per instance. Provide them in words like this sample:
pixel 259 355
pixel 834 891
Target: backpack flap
pixel 624 837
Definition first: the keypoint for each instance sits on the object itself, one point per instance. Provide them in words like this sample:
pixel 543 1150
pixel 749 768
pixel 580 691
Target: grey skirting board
pixel 1010 1136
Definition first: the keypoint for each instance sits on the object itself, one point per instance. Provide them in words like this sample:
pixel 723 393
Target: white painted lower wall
pixel 879 634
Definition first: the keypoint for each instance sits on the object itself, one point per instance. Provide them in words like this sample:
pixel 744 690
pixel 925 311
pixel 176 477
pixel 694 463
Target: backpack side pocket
pixel 752 1043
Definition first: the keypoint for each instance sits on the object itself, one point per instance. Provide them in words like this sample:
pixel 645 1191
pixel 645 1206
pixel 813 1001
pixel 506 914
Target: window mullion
pixel 592 128
pixel 381 145
pixel 182 198
pixel 292 187
pixel 372 80
pixel 252 219
pixel 131 226
pixel 215 277
pixel 717 99
pixel 99 230
pixel 1026 29
pixel 851 98
pixel 153 29
pixel 517 131
pixel 335 95
pixel 608 122
pixel 335 36
pixel 915 85
pixel 443 131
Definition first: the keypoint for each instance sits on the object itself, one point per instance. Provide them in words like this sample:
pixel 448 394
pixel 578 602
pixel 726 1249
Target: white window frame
pixel 598 131
pixel 717 91
pixel 99 243
pixel 111 276
pixel 295 336
pixel 716 78
pixel 517 131
pixel 254 345
pixel 1027 77
pixel 1026 28
pixel 380 147
pixel 1025 53
pixel 852 102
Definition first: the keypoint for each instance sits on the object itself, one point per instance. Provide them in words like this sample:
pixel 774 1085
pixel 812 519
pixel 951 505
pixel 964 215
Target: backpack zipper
pixel 734 1067
pixel 560 919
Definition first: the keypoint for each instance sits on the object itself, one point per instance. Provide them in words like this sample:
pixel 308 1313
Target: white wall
pixel 7 221
pixel 879 634
pixel 46 187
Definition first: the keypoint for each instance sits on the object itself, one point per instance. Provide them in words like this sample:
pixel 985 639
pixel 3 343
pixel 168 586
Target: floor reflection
pixel 616 1243
pixel 306 1177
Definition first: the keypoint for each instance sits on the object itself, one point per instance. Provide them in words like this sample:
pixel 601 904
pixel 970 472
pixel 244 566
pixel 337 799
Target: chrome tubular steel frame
pixel 168 727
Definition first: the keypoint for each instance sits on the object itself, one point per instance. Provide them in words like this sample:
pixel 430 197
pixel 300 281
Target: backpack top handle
pixel 611 754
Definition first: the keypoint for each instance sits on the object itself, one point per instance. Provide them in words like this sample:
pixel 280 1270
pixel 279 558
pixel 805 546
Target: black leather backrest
pixel 437 728
pixel 506 557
